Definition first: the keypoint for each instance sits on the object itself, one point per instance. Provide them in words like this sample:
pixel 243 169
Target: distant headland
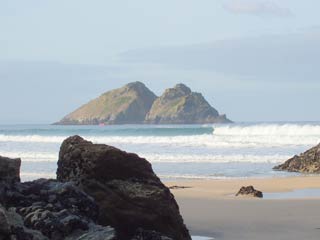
pixel 134 103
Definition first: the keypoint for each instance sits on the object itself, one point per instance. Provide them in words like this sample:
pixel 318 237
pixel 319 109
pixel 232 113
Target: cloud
pixel 286 57
pixel 257 7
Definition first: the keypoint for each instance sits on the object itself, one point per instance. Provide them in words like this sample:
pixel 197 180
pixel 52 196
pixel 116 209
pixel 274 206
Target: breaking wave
pixel 31 156
pixel 267 135
pixel 165 158
pixel 269 130
pixel 196 152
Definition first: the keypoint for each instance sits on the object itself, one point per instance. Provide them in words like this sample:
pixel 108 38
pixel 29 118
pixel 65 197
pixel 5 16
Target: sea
pixel 177 152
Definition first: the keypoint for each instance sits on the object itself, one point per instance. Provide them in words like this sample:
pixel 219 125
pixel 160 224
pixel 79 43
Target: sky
pixel 255 60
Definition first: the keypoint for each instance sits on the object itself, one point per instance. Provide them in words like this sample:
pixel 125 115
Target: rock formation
pixel 179 105
pixel 307 162
pixel 136 104
pixel 10 169
pixel 249 191
pixel 46 209
pixel 129 195
pixel 128 104
pixel 125 194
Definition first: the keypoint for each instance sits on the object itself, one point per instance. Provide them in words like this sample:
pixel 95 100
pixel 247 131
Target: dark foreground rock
pixel 307 162
pixel 128 193
pixel 249 191
pixel 46 209
pixel 10 169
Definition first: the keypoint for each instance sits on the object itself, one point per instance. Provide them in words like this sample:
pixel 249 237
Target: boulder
pixel 4 225
pixel 142 234
pixel 47 209
pixel 17 230
pixel 97 232
pixel 307 162
pixel 10 169
pixel 249 191
pixel 129 194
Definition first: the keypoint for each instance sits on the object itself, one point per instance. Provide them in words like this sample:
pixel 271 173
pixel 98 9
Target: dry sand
pixel 209 208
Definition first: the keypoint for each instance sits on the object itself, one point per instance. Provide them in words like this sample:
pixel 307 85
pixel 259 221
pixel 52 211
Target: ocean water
pixel 176 151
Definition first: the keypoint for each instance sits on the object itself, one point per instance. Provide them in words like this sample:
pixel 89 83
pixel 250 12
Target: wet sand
pixel 210 208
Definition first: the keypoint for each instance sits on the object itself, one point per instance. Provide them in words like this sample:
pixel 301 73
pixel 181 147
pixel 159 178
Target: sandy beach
pixel 210 208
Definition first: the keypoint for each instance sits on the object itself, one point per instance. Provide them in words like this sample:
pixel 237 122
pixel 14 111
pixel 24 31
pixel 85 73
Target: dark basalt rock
pixel 4 224
pixel 249 191
pixel 307 162
pixel 129 195
pixel 125 194
pixel 142 234
pixel 45 209
pixel 10 169
pixel 56 210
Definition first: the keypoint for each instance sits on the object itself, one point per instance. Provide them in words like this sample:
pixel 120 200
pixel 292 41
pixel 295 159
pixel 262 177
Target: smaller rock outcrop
pixel 10 169
pixel 179 105
pixel 307 162
pixel 129 194
pixel 46 209
pixel 249 191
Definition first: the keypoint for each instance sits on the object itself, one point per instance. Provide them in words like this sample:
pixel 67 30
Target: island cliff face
pixel 179 105
pixel 136 104
pixel 126 105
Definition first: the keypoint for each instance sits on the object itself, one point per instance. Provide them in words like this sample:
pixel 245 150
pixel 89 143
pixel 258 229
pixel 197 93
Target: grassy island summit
pixel 134 103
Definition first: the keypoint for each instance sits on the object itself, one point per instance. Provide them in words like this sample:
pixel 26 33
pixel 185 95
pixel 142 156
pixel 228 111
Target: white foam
pixel 269 130
pixel 220 140
pixel 196 158
pixel 31 138
pixel 164 158
pixel 31 156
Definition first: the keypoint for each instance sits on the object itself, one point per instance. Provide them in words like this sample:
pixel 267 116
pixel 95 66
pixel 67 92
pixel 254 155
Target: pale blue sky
pixel 255 60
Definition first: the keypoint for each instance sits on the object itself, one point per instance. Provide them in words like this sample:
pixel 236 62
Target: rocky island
pixel 179 105
pixel 101 193
pixel 126 105
pixel 134 103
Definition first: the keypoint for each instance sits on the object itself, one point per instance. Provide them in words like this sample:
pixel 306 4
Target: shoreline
pixel 227 188
pixel 210 208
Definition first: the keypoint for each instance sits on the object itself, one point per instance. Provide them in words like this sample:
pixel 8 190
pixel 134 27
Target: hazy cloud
pixel 257 7
pixel 288 57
